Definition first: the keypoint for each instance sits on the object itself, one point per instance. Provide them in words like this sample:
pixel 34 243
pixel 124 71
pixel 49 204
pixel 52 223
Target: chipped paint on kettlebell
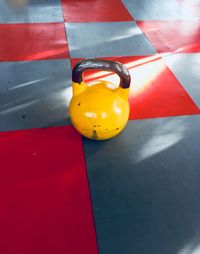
pixel 97 111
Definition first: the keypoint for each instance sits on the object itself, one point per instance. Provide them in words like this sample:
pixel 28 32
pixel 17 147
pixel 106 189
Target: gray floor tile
pixel 33 12
pixel 107 39
pixel 33 94
pixel 157 10
pixel 144 185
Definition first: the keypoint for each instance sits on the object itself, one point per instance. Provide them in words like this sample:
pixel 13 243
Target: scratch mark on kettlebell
pixel 94 134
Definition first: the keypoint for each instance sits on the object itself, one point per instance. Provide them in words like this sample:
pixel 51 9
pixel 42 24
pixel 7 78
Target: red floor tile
pixel 32 41
pixel 155 92
pixel 173 36
pixel 192 6
pixel 44 196
pixel 95 11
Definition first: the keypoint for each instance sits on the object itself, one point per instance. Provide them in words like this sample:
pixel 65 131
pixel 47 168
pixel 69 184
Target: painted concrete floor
pixel 137 193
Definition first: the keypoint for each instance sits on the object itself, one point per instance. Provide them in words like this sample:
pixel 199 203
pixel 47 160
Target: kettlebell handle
pixel 103 65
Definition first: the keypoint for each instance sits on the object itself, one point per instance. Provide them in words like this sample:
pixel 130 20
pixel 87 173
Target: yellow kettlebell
pixel 98 110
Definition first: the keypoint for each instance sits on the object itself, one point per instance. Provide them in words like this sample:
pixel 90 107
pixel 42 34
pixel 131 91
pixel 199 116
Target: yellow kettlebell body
pixel 99 110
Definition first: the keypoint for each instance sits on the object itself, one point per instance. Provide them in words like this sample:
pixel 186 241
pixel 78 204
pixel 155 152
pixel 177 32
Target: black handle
pixel 103 65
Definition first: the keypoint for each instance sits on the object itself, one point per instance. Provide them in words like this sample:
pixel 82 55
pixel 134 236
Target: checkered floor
pixel 137 193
